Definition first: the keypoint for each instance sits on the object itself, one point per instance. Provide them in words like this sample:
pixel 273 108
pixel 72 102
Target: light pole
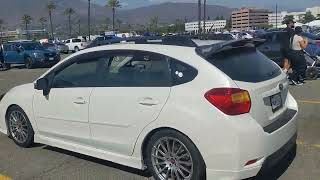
pixel 276 16
pixel 204 15
pixel 199 16
pixel 89 33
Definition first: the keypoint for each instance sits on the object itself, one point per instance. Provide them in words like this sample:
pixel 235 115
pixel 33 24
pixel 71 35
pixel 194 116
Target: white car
pixel 75 44
pixel 223 112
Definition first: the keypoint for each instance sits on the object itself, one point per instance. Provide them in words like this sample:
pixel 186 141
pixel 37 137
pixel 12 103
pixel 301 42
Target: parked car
pixel 58 47
pixel 221 111
pixel 271 48
pixel 31 54
pixel 104 40
pixel 75 44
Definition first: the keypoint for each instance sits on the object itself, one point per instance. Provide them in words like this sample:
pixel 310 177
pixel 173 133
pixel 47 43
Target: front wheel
pixel 28 63
pixel 172 155
pixel 312 73
pixel 19 127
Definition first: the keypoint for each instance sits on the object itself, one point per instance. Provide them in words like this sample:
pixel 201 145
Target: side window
pixel 68 41
pixel 7 47
pixel 76 40
pixel 267 37
pixel 181 72
pixel 136 69
pixel 83 73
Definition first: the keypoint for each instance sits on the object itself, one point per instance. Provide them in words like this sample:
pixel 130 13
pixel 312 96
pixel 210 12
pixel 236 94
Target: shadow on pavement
pixel 272 174
pixel 99 161
pixel 279 169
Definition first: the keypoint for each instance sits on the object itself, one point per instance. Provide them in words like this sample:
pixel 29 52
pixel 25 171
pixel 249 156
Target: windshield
pixel 32 46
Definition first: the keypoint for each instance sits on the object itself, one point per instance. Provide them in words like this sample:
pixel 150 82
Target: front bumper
pixel 47 62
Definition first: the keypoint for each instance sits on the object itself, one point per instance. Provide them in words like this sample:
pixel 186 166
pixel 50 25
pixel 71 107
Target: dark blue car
pixel 31 54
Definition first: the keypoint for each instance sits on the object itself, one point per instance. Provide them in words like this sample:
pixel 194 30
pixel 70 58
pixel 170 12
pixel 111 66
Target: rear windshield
pixel 248 65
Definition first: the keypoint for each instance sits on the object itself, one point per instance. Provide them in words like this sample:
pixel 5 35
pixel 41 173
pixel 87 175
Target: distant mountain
pixel 169 12
pixel 11 12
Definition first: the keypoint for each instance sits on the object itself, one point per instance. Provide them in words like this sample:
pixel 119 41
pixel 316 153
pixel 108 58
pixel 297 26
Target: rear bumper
pixel 253 142
pixel 267 164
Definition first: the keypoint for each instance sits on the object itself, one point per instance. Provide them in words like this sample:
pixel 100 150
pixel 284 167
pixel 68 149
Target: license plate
pixel 51 59
pixel 276 102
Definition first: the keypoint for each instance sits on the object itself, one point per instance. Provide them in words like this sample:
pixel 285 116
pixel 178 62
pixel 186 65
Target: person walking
pixel 285 43
pixel 296 55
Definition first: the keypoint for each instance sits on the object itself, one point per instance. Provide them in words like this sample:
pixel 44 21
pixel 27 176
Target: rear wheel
pixel 172 155
pixel 76 49
pixel 28 63
pixel 19 127
pixel 312 73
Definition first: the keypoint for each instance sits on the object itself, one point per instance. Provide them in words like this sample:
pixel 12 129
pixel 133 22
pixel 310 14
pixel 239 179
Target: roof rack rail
pixel 176 40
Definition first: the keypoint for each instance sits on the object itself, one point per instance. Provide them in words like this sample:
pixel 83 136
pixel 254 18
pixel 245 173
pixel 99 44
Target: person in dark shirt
pixel 285 42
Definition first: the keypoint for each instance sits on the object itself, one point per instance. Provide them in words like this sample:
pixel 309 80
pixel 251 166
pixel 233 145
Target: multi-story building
pixel 211 25
pixel 314 10
pixel 276 19
pixel 249 18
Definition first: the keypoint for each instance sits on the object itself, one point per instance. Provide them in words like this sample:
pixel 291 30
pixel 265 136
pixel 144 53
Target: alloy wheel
pixel 18 126
pixel 171 159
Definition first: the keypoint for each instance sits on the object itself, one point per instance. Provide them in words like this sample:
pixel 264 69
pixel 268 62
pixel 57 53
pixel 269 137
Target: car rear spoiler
pixel 209 50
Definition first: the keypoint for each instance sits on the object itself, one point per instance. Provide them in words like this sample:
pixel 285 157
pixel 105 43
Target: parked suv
pixel 29 53
pixel 75 44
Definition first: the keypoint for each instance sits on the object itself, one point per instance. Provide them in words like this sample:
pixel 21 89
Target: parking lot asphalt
pixel 50 163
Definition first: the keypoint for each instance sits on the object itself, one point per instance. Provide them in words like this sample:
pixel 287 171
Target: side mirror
pixel 42 84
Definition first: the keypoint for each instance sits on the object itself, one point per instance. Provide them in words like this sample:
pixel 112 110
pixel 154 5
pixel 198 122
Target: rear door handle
pixel 79 100
pixel 147 101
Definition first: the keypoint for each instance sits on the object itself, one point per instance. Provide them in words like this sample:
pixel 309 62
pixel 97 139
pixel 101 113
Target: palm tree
pixel 154 23
pixel 89 18
pixel 51 7
pixel 204 15
pixel 26 20
pixel 43 22
pixel 113 4
pixel 199 16
pixel 69 12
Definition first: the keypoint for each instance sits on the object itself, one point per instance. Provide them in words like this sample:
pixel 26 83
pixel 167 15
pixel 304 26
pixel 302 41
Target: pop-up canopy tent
pixel 315 23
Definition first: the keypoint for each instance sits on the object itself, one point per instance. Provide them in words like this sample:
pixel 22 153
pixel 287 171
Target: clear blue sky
pixel 270 4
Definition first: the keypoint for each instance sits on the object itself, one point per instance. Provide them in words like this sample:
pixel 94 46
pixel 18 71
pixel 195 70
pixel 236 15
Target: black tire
pixel 29 140
pixel 76 49
pixel 28 63
pixel 198 167
pixel 312 73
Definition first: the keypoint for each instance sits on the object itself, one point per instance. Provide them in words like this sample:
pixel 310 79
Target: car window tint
pixel 78 74
pixel 68 41
pixel 7 47
pixel 76 40
pixel 245 64
pixel 136 69
pixel 181 72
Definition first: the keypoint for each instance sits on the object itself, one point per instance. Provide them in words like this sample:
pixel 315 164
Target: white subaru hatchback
pixel 185 113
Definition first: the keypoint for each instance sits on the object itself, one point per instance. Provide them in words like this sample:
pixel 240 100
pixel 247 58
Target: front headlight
pixel 38 55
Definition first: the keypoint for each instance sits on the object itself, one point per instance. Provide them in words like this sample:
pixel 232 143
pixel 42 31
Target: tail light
pixel 231 101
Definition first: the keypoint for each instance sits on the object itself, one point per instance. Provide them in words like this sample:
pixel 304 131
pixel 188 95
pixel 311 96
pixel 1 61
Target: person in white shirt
pixel 299 64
